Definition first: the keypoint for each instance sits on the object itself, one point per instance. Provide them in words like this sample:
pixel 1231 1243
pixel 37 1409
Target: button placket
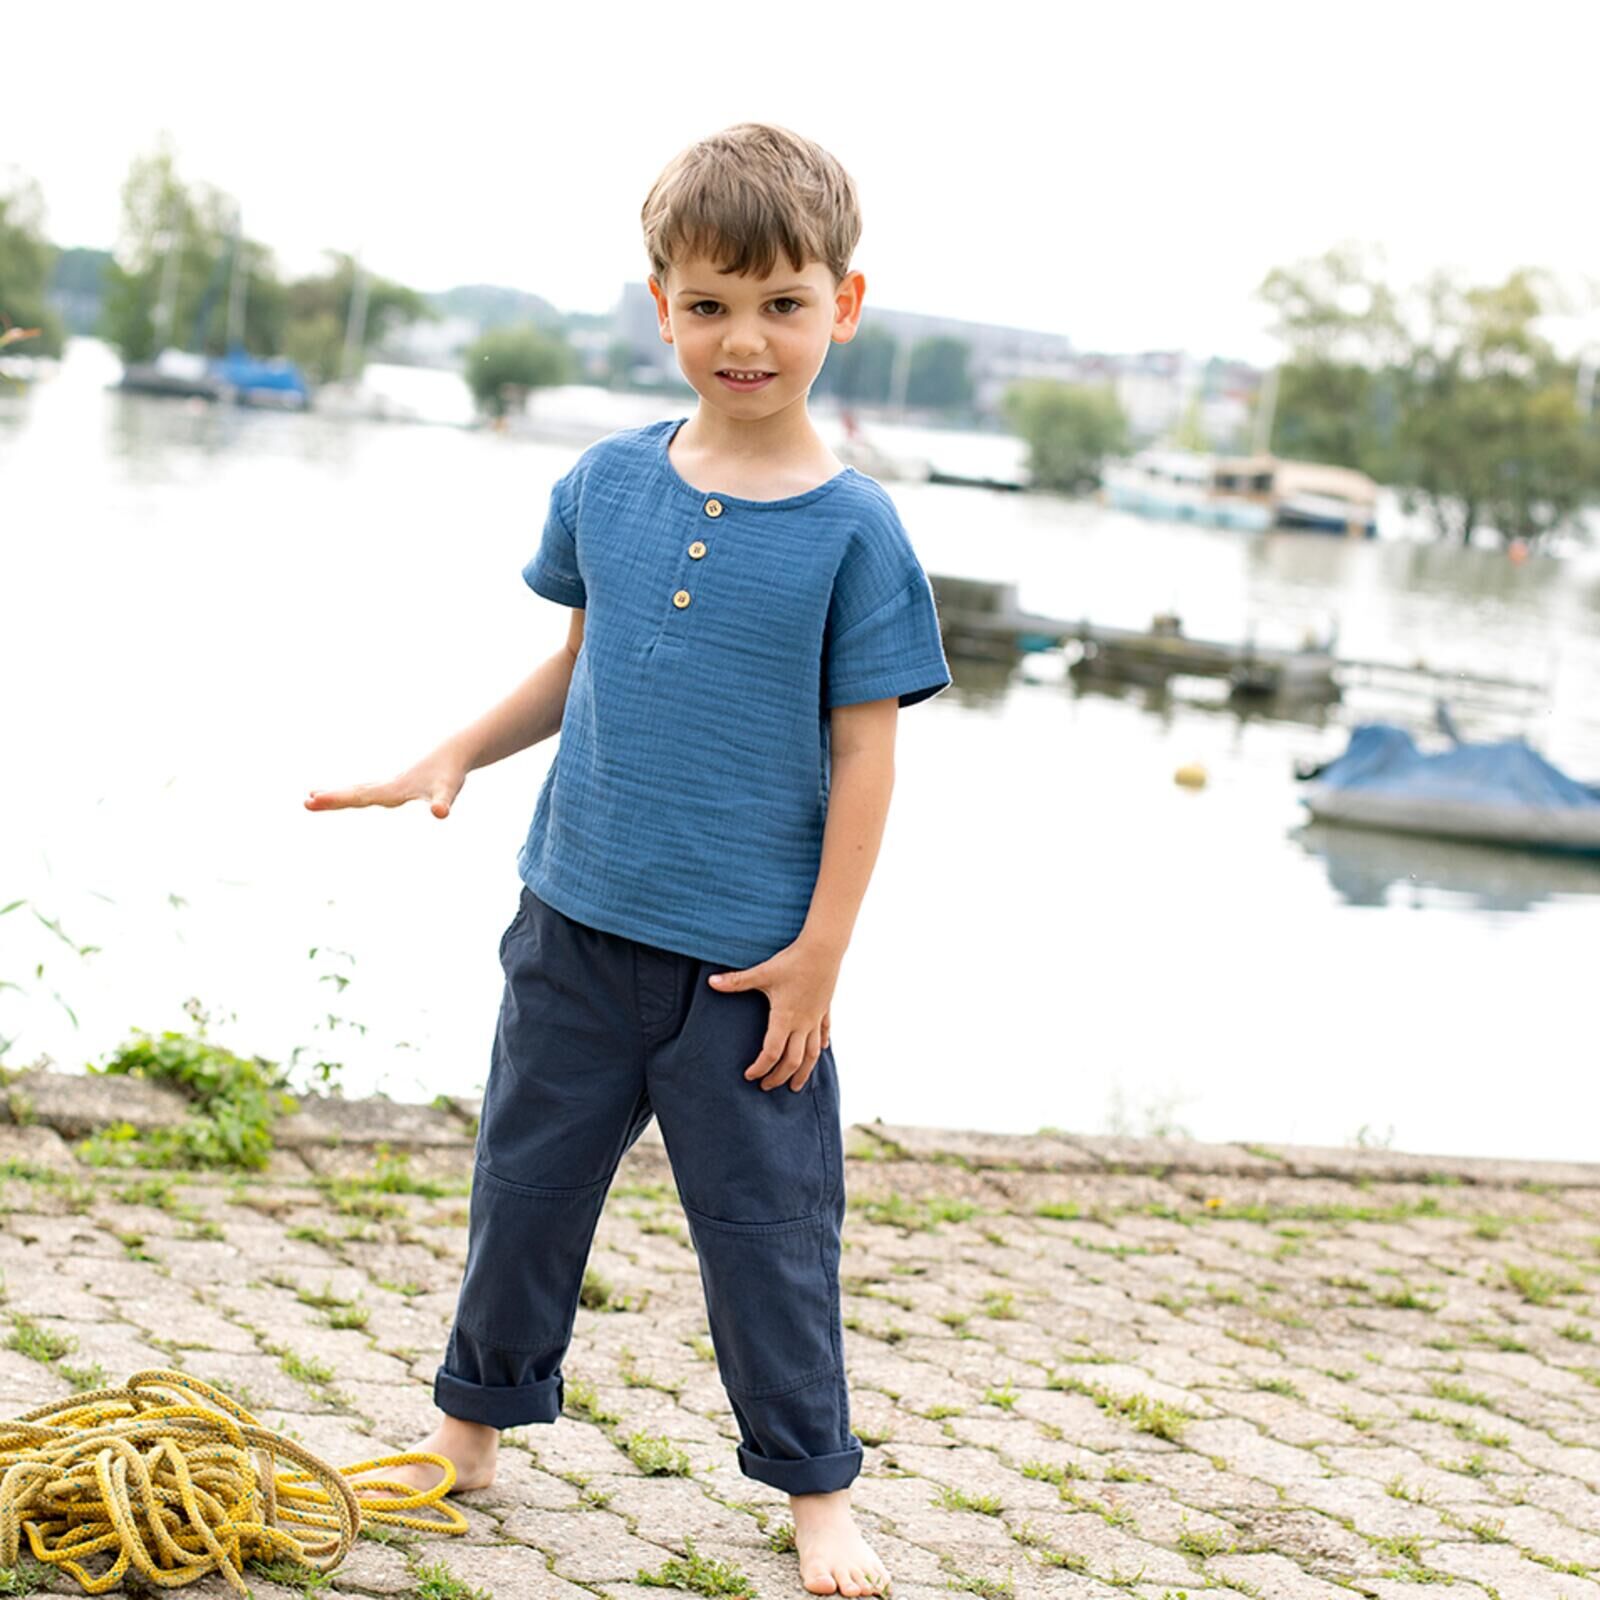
pixel 713 508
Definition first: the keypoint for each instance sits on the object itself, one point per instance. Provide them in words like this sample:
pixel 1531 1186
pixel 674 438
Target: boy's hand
pixel 436 779
pixel 799 982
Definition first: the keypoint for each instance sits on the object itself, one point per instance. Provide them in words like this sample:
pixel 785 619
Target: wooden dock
pixel 982 620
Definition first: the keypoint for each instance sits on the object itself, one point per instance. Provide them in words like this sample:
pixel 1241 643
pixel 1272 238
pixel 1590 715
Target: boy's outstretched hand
pixel 436 779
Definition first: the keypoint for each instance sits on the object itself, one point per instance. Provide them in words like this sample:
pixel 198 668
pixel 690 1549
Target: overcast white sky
pixel 1124 173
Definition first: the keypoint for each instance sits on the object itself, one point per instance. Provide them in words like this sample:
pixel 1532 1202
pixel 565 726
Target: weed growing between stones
pixel 953 1499
pixel 28 1577
pixel 633 1378
pixel 655 1456
pixel 37 1342
pixel 1540 1288
pixel 985 1588
pixel 697 1573
pixel 1156 1417
pixel 581 1401
pixel 435 1581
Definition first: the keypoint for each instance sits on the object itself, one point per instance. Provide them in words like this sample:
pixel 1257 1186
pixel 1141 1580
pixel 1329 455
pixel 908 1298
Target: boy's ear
pixel 660 294
pixel 847 306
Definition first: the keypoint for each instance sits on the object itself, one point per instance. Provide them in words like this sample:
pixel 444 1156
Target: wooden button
pixel 681 599
pixel 697 549
pixel 713 508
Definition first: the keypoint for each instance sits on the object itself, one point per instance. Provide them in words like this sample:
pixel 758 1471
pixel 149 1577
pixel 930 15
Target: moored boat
pixel 1501 793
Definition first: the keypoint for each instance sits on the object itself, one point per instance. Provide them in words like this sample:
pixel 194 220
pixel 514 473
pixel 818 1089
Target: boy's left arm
pixel 799 980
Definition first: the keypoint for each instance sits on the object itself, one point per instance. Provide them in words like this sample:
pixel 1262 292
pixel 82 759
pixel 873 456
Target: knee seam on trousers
pixel 784 1225
pixel 805 1381
pixel 531 1188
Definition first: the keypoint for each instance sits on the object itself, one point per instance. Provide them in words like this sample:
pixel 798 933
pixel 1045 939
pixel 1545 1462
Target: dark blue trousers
pixel 597 1034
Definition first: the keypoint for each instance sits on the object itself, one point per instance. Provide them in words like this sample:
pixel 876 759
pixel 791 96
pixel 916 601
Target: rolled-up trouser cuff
pixel 499 1407
pixel 807 1475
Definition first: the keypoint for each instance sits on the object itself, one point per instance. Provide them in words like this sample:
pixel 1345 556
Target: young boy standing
pixel 748 615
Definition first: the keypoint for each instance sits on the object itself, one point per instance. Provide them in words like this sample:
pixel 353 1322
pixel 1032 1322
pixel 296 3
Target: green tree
pixel 171 278
pixel 1452 393
pixel 1329 411
pixel 1491 432
pixel 1069 429
pixel 505 363
pixel 169 243
pixel 861 371
pixel 26 259
pixel 317 316
pixel 938 375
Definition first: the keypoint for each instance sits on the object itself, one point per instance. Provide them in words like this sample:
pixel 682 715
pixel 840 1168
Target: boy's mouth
pixel 745 377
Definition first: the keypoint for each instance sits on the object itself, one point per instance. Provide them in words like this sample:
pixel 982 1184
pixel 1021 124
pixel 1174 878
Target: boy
pixel 747 617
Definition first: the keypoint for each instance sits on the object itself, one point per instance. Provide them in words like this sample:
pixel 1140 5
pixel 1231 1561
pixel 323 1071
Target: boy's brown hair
pixel 742 195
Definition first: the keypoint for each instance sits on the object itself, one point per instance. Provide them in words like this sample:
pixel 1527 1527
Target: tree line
pixel 1450 392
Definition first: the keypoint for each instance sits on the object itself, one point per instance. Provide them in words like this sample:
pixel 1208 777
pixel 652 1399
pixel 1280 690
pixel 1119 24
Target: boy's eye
pixel 782 300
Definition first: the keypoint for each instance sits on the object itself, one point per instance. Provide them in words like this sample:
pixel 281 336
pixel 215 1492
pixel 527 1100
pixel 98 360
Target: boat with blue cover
pixel 1500 793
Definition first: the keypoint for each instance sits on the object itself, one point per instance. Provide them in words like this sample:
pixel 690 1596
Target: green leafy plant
pixel 236 1101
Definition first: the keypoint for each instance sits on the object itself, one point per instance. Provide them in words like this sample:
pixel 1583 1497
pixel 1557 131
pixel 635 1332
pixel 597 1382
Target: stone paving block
pixel 1273 1576
pixel 1373 1511
pixel 1252 1452
pixel 1312 1538
pixel 63 1235
pixel 254 1381
pixel 372 1568
pixel 1114 1555
pixel 507 1571
pixel 589 1546
pixel 113 1345
pixel 1499 1567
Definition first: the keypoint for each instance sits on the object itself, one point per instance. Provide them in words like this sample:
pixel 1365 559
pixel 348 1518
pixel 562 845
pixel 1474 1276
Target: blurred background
pixel 1234 370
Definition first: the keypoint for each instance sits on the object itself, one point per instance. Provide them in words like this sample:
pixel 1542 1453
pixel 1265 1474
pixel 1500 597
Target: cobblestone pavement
pixel 1081 1366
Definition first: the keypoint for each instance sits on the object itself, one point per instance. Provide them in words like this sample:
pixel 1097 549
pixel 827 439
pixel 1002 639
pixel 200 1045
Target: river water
pixel 208 612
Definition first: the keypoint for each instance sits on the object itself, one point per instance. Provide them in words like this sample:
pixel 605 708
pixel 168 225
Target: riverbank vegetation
pixel 1454 393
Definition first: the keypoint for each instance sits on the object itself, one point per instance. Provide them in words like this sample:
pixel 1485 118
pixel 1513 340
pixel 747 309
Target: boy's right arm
pixel 531 712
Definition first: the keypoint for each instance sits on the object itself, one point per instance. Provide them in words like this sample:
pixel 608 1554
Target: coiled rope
pixel 179 1489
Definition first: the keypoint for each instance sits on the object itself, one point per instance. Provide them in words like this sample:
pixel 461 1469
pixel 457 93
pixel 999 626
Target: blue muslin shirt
pixel 685 804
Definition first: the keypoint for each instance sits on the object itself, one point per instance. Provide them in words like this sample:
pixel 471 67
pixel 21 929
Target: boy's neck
pixel 786 439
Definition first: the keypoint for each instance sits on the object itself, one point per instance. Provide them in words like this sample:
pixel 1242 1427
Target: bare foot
pixel 472 1446
pixel 834 1558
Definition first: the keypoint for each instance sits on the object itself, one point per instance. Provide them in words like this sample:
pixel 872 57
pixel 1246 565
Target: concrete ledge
pixel 77 1104
pixel 332 1121
pixel 334 1136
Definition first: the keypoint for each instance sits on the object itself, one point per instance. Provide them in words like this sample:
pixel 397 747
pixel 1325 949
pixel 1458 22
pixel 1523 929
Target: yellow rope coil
pixel 180 1489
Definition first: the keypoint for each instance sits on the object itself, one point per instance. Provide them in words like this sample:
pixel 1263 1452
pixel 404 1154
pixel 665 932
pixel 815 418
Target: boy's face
pixel 780 325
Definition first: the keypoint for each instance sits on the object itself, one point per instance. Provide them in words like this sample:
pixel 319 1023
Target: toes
pixel 821 1583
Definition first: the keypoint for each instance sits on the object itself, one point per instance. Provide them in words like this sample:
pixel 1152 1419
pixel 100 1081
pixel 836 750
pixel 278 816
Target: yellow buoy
pixel 178 1485
pixel 1191 775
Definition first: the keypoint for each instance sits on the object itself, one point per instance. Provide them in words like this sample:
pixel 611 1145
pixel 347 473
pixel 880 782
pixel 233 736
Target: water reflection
pixel 1166 699
pixel 1367 867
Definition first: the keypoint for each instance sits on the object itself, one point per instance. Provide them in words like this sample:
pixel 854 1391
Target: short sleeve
pixel 553 571
pixel 883 624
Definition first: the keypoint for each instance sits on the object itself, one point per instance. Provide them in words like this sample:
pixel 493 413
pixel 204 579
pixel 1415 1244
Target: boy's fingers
pixel 362 794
